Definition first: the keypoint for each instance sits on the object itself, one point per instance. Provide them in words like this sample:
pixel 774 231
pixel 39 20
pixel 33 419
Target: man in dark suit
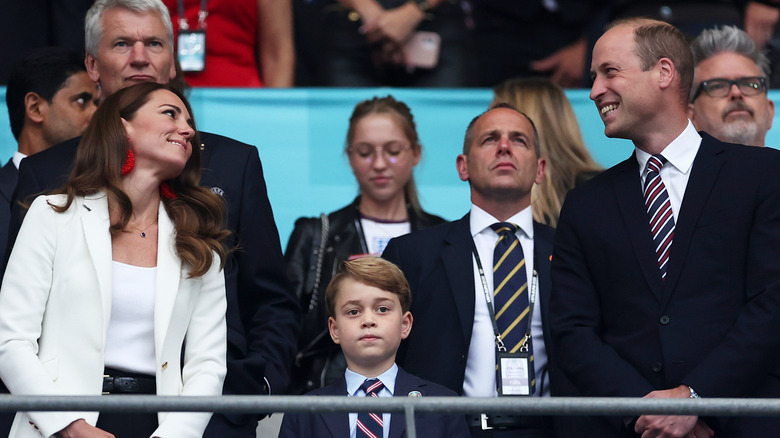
pixel 129 43
pixel 50 99
pixel 690 306
pixel 453 342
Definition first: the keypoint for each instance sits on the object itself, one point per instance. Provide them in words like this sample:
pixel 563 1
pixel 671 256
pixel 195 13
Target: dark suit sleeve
pixel 291 426
pixel 264 294
pixel 594 367
pixel 749 351
pixel 27 185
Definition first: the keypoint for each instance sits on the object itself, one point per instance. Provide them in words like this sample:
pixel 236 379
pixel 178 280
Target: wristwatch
pixel 424 6
pixel 694 394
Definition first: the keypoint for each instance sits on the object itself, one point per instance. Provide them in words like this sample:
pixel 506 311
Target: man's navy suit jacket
pixel 262 319
pixel 619 330
pixel 8 176
pixel 438 264
pixel 336 424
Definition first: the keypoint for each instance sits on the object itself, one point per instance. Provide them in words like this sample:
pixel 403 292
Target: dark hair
pixel 371 271
pixel 403 116
pixel 197 214
pixel 42 71
pixel 469 137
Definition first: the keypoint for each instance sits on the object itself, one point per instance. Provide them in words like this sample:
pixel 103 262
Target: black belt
pixel 125 384
pixel 488 422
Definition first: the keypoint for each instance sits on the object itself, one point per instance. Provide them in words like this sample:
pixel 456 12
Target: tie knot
pixel 504 228
pixel 655 163
pixel 372 386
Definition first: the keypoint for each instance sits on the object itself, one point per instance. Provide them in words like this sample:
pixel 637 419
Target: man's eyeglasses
pixel 368 151
pixel 750 86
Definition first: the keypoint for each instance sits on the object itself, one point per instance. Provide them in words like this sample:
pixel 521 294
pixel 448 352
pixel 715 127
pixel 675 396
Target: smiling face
pixel 369 324
pixel 70 109
pixel 160 134
pixel 735 118
pixel 622 91
pixel 134 48
pixel 501 164
pixel 382 173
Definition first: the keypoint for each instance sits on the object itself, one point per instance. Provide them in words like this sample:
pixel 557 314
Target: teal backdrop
pixel 300 134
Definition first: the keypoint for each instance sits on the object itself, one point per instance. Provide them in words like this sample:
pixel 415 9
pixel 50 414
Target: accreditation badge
pixel 192 50
pixel 514 375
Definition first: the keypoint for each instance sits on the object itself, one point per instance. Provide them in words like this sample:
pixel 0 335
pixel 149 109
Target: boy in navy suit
pixel 368 303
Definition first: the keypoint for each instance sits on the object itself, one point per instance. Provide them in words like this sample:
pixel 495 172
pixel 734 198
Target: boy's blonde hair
pixel 371 271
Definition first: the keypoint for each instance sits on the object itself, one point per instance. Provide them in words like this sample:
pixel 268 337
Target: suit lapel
pixel 168 277
pixel 95 224
pixel 543 242
pixel 8 177
pixel 704 172
pixel 337 422
pixel 404 384
pixel 457 261
pixel 628 191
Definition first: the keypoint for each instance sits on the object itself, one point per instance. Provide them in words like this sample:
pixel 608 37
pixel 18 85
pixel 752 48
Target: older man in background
pixel 729 95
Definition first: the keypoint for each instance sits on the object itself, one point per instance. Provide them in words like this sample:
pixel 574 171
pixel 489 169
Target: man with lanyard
pixel 478 282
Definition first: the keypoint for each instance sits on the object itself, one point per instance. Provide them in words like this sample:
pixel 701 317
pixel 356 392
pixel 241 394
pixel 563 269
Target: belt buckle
pixel 105 376
pixel 483 418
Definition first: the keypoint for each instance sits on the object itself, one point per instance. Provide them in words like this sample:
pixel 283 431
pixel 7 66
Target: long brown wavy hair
pixel 197 214
pixel 568 160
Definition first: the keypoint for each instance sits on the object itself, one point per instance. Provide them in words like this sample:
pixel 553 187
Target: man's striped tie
pixel 659 210
pixel 510 291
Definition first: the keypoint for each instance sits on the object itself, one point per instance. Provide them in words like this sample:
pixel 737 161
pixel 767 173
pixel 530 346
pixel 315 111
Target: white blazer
pixel 55 305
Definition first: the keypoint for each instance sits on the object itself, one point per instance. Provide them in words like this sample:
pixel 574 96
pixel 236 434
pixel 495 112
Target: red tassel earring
pixel 166 191
pixel 129 163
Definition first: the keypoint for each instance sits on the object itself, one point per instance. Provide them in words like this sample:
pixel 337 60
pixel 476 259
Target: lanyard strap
pixel 202 14
pixel 489 299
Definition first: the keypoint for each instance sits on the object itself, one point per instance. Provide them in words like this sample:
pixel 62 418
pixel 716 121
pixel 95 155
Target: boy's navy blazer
pixel 336 424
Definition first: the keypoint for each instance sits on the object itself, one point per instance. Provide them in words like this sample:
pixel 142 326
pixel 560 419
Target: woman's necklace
pixel 143 230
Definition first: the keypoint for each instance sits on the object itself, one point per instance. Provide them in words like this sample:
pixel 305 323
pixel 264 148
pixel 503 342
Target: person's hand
pixel 394 25
pixel 566 65
pixel 760 21
pixel 82 429
pixel 701 430
pixel 669 426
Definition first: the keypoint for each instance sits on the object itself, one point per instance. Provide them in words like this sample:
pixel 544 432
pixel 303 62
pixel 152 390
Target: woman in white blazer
pixel 113 273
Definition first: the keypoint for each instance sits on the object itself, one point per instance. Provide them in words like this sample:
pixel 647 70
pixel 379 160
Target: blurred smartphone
pixel 422 50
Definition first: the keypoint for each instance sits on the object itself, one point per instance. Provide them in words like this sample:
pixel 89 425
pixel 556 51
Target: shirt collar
pixel 354 380
pixel 479 220
pixel 680 153
pixel 17 159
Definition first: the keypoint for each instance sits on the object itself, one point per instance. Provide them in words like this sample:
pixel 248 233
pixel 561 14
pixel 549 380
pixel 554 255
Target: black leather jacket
pixel 319 361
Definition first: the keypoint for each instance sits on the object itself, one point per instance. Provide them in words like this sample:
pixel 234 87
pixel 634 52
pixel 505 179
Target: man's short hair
pixel 371 271
pixel 93 23
pixel 654 40
pixel 728 39
pixel 469 137
pixel 43 72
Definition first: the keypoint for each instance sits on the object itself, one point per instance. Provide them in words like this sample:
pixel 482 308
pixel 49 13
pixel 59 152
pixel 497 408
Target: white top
pixel 480 378
pixel 680 154
pixel 130 334
pixel 378 234
pixel 354 380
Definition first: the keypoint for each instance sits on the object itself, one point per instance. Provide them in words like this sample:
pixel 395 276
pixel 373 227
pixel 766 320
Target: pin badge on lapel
pixel 218 191
pixel 415 394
